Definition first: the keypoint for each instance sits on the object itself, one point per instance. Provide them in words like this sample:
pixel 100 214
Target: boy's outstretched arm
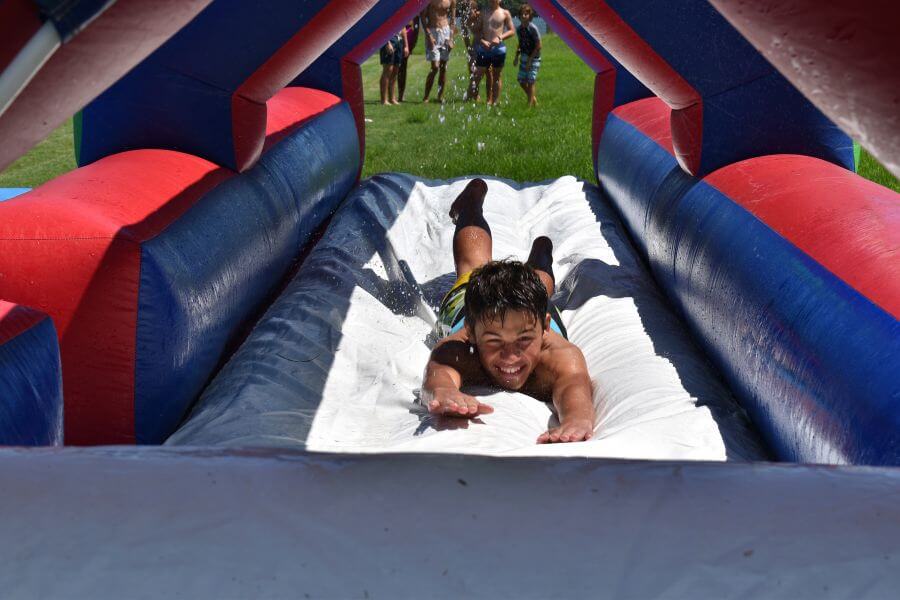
pixel 573 399
pixel 443 378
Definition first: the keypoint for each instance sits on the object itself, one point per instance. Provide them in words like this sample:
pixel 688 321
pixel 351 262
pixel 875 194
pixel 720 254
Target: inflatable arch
pixel 213 152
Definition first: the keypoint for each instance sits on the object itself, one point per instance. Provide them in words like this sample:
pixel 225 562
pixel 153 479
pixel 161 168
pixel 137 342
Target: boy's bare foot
pixel 541 260
pixel 425 100
pixel 396 102
pixel 469 200
pixel 541 256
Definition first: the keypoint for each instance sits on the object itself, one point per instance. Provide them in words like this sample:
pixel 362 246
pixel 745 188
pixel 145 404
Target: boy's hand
pixel 571 431
pixel 453 403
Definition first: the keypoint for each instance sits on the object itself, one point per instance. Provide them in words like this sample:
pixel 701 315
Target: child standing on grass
pixel 530 52
pixel 392 55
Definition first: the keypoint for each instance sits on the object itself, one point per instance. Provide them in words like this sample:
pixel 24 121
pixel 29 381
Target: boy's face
pixel 525 16
pixel 509 349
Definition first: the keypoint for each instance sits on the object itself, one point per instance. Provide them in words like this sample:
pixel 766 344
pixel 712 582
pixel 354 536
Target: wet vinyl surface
pixel 336 362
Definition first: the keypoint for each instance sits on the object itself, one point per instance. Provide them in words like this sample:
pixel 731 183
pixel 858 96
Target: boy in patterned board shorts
pixel 530 52
pixel 502 331
pixel 439 21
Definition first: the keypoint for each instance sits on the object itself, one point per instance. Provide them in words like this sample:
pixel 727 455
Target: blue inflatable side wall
pixel 31 402
pixel 813 361
pixel 222 259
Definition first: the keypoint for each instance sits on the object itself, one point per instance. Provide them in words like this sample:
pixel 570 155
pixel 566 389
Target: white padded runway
pixel 336 363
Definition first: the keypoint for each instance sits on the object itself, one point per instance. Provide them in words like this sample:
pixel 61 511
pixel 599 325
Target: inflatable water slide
pixel 212 332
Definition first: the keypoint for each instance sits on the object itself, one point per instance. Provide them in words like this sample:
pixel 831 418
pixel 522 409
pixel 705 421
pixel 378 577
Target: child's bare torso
pixel 439 13
pixel 493 23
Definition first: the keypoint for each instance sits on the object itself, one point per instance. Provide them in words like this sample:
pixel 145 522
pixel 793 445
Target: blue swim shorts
pixel 490 57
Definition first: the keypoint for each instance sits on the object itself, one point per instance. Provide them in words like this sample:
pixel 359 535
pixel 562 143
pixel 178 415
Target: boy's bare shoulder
pixel 560 356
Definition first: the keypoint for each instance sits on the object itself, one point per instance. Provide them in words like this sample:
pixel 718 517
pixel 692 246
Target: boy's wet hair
pixel 525 6
pixel 501 286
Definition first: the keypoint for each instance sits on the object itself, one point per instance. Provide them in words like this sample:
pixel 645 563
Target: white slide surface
pixel 336 363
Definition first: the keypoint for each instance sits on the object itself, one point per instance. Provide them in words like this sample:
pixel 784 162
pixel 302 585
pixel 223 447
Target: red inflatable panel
pixel 848 224
pixel 71 248
pixel 843 56
pixel 249 100
pixel 19 20
pixel 650 116
pixel 117 40
pixel 626 46
pixel 291 107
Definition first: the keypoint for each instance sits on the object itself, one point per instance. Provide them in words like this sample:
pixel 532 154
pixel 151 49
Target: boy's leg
pixel 532 100
pixel 442 81
pixel 489 85
pixel 541 260
pixel 392 90
pixel 401 79
pixel 429 81
pixel 477 76
pixel 498 83
pixel 385 80
pixel 472 244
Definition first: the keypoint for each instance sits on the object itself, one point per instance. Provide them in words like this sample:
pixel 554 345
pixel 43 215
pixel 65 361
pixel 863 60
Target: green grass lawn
pixel 460 138
pixel 456 138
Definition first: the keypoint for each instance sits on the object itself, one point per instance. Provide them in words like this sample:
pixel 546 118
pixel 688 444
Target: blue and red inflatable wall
pixel 208 166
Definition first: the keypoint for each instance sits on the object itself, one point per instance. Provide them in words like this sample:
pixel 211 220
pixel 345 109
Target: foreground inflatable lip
pixel 198 522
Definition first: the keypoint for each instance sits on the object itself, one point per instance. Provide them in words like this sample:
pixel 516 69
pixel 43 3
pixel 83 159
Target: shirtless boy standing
pixel 439 20
pixel 490 52
pixel 501 332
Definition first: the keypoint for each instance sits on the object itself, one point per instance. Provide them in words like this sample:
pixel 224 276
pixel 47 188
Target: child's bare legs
pixel 541 260
pixel 392 85
pixel 472 240
pixel 438 68
pixel 429 80
pixel 385 83
pixel 474 84
pixel 401 79
pixel 497 84
pixel 478 73
pixel 528 88
pixel 491 85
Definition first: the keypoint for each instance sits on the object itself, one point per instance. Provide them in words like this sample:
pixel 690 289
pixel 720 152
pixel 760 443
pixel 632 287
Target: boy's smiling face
pixel 509 349
pixel 525 16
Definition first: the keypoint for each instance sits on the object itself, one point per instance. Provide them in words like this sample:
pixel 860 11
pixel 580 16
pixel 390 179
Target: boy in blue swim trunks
pixel 490 51
pixel 501 332
pixel 530 51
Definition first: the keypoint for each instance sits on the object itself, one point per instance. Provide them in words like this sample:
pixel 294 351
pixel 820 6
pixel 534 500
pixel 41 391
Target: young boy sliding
pixel 503 332
pixel 530 51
